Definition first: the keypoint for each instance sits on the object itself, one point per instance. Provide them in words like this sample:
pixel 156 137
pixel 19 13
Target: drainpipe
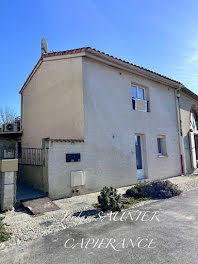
pixel 180 133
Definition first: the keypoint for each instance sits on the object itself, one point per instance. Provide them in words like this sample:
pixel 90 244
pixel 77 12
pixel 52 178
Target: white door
pixel 139 157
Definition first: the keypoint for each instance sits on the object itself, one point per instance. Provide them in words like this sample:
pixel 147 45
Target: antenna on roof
pixel 43 46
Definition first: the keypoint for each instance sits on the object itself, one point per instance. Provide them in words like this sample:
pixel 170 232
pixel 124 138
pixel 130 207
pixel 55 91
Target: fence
pixel 31 156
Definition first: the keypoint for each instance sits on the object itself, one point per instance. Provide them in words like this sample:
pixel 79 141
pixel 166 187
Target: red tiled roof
pixel 75 51
pixel 136 65
pixel 91 50
pixel 67 140
pixel 66 52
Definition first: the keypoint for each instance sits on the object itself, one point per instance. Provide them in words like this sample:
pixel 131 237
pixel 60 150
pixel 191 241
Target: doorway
pixel 139 156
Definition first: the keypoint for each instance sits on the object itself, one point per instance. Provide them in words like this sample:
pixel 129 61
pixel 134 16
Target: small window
pixel 161 146
pixel 139 102
pixel 138 92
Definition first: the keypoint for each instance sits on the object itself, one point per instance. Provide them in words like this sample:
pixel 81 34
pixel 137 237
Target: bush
pixel 137 191
pixel 162 189
pixel 4 236
pixel 157 189
pixel 109 199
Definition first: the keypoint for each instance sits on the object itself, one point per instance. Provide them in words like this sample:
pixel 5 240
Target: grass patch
pixel 129 201
pixel 4 235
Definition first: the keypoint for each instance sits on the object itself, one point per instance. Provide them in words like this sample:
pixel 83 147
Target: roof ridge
pixel 65 52
pixel 140 67
pixel 83 49
pixel 93 50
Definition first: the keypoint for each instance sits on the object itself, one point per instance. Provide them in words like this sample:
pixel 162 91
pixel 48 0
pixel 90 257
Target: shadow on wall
pixel 31 175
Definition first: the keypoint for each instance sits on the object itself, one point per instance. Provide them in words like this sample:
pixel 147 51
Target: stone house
pixel 90 120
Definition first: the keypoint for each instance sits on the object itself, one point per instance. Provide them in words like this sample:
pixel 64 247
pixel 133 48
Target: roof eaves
pixel 189 93
pixel 48 55
pixel 66 52
pixel 68 140
pixel 31 74
pixel 138 68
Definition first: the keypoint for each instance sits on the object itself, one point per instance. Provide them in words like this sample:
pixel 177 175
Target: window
pixel 139 102
pixel 161 146
pixel 138 92
pixel 194 121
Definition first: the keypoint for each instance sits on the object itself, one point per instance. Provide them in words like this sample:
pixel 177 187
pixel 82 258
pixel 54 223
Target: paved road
pixel 175 238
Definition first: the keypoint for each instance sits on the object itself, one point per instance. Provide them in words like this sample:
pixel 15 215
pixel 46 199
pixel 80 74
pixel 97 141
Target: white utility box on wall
pixel 77 178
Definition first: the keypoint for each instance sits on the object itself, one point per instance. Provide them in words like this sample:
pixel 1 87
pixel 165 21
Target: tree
pixel 7 115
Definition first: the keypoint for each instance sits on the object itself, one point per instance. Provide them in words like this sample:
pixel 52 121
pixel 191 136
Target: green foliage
pixel 158 189
pixel 109 199
pixel 127 202
pixel 137 191
pixel 4 236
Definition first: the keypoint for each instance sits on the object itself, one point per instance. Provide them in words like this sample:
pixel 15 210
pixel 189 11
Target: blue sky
pixel 159 35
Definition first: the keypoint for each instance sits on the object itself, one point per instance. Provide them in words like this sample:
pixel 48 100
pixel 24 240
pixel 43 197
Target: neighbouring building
pixel 90 120
pixel 188 103
pixel 10 140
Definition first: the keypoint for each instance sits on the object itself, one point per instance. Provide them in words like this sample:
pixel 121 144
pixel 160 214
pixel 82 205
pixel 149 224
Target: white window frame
pixel 137 97
pixel 137 89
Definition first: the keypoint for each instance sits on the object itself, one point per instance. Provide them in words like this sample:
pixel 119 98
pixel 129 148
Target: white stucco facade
pixel 108 155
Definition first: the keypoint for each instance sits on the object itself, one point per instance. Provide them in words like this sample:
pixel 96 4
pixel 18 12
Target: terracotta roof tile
pixel 67 140
pixel 75 51
pixel 66 52
pixel 89 49
pixel 140 67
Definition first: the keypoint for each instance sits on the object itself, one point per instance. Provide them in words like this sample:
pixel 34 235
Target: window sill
pixel 162 156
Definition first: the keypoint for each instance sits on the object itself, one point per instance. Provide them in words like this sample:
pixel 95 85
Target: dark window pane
pixel 147 106
pixel 138 152
pixel 19 151
pixel 159 144
pixel 133 103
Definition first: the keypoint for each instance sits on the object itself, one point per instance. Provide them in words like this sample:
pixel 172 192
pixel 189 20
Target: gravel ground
pixel 25 227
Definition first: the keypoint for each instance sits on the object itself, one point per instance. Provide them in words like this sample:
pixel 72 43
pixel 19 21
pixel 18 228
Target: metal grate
pixel 31 156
